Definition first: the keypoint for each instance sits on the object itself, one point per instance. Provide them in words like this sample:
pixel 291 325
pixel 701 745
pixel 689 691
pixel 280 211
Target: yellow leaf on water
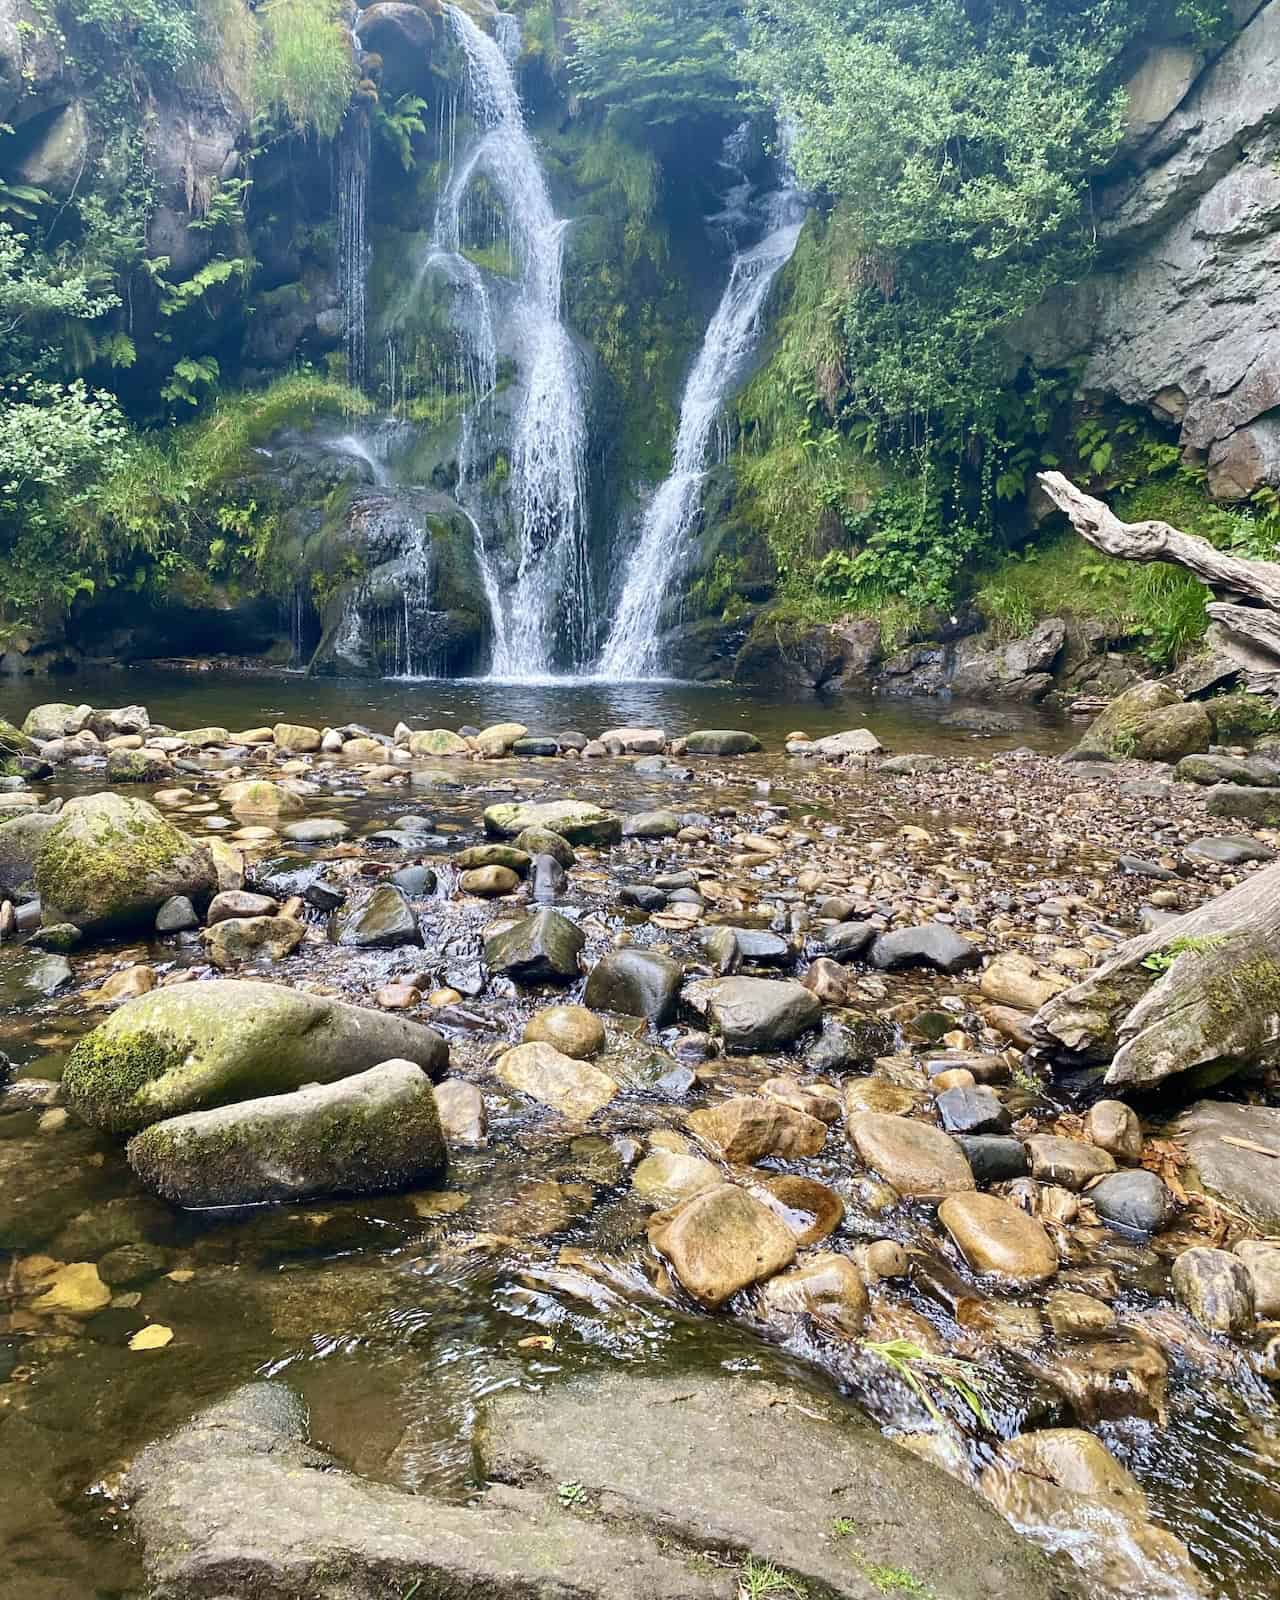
pixel 153 1337
pixel 537 1341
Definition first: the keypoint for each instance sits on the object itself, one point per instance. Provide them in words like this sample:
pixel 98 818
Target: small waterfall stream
pixel 352 178
pixel 633 649
pixel 546 610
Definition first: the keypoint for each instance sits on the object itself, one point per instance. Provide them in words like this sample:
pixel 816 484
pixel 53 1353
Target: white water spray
pixel 549 603
pixel 632 649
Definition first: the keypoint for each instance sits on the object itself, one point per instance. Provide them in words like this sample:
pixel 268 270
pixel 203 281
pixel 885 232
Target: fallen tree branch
pixel 1157 541
pixel 1199 995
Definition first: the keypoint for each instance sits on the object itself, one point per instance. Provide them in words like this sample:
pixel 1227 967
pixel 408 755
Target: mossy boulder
pixel 21 840
pixel 199 1045
pixel 373 1131
pixel 577 821
pixel 1240 718
pixel 1113 732
pixel 55 720
pixel 112 861
pixel 138 766
pixel 1173 732
pixel 14 743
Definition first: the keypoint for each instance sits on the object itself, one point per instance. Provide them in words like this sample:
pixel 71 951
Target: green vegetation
pixel 1196 944
pixel 919 1370
pixel 305 75
pixel 762 1580
pixel 887 1580
pixel 655 65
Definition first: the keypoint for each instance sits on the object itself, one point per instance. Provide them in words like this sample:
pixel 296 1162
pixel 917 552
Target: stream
pixel 395 1316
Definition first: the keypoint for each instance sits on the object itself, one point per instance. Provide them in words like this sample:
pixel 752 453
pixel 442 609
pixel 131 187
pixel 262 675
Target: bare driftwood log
pixel 1157 541
pixel 1208 1003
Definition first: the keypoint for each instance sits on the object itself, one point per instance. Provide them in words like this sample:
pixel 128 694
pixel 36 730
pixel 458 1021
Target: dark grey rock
pixel 994 1159
pixel 638 983
pixel 548 877
pixel 756 1013
pixel 720 742
pixel 379 920
pixel 1133 1199
pixel 973 1109
pixel 324 894
pixel 540 948
pixel 1210 769
pixel 847 939
pixel 1138 867
pixel 176 915
pixel 416 882
pixel 643 895
pixel 535 745
pixel 1246 1179
pixel 1216 1288
pixel 1249 803
pixel 1233 851
pixel 932 945
pixel 844 1046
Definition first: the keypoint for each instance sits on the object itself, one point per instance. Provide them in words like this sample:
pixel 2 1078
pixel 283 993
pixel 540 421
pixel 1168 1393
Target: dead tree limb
pixel 1200 995
pixel 1157 541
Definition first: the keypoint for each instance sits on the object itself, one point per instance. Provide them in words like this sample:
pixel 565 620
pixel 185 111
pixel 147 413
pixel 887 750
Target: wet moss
pixel 93 868
pixel 106 1073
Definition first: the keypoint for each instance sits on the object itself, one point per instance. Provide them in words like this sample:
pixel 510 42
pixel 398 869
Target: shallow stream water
pixel 395 1316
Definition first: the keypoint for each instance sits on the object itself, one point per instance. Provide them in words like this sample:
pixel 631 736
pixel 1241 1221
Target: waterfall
pixel 547 609
pixel 353 240
pixel 632 648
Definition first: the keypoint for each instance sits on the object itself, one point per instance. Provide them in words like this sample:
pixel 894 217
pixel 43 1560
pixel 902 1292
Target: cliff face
pixel 1183 315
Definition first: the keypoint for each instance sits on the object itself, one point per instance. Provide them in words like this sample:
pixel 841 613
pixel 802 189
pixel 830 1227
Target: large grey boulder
pixel 577 821
pixel 638 983
pixel 197 1045
pixel 1244 1177
pixel 21 840
pixel 236 1503
pixel 112 861
pixel 381 919
pixel 542 948
pixel 373 1131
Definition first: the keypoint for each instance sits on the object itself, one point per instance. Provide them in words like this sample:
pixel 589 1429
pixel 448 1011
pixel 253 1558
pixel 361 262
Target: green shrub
pixel 306 73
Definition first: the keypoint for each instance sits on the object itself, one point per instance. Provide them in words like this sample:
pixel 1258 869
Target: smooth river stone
pixel 574 1088
pixel 829 1288
pixel 914 1157
pixel 998 1238
pixel 721 1241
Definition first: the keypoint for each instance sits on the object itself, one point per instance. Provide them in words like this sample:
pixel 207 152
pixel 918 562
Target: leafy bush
pixel 158 34
pixel 656 64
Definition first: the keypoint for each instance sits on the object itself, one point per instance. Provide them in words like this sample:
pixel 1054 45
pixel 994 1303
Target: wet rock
pixel 317 830
pixel 1216 1288
pixel 130 1264
pixel 1068 1162
pixel 721 1241
pixel 1171 733
pixel 462 1115
pixel 1246 1179
pixel 879 1094
pixel 74 1290
pixel 576 821
pixel 973 1110
pixel 651 825
pixel 666 1178
pixel 55 720
pixel 1135 1199
pixel 845 1046
pixel 1063 1486
pixel 176 915
pixel 1209 770
pixel 138 766
pixel 828 1288
pixel 1115 1128
pixel 993 1159
pixel 757 1013
pixel 637 983
pixel 573 1030
pixel 195 1045
pixel 747 1128
pixel 933 945
pixel 1015 980
pixel 127 984
pixel 259 799
pixel 720 742
pixel 807 1207
pixel 540 841
pixel 1103 1379
pixel 110 863
pixel 252 938
pixel 21 840
pixel 574 1088
pixel 416 882
pixel 1262 1262
pixel 634 741
pixel 642 895
pixel 487 882
pixel 885 1258
pixel 540 948
pixel 997 1238
pixel 535 745
pixel 847 940
pixel 912 1156
pixel 437 742
pixel 1257 805
pixel 239 903
pixel 370 1132
pixel 1073 1315
pixel 497 739
pixel 1235 851
pixel 548 878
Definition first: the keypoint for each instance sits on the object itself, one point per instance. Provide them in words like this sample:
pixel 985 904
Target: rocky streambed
pixel 519 1161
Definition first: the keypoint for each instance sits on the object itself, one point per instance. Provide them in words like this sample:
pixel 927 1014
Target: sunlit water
pixel 395 1316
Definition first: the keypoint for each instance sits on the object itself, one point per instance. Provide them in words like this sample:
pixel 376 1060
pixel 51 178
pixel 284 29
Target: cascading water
pixel 633 649
pixel 548 604
pixel 353 241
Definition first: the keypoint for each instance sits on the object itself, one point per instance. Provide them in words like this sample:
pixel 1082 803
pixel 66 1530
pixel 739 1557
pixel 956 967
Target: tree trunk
pixel 1214 1009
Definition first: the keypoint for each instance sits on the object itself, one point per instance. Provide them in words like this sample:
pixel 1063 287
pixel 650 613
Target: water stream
pixel 633 648
pixel 543 617
pixel 352 178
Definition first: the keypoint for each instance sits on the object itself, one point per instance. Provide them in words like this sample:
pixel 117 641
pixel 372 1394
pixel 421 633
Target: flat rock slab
pixel 236 1504
pixel 1246 1179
